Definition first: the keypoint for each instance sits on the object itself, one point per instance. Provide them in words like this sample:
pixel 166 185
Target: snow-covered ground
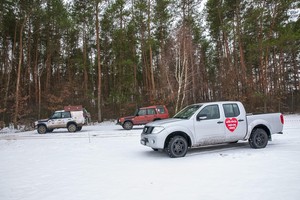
pixel 105 162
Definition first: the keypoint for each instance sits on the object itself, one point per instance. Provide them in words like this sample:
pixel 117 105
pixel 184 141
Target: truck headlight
pixel 157 129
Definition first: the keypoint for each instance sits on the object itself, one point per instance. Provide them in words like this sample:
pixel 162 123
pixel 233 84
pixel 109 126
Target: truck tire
pixel 177 147
pixel 258 139
pixel 79 128
pixel 72 127
pixel 127 125
pixel 42 129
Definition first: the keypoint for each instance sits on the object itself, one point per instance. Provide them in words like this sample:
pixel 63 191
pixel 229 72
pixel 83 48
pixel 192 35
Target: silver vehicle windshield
pixel 187 112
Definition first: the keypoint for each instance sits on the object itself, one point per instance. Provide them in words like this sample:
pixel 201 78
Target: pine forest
pixel 113 56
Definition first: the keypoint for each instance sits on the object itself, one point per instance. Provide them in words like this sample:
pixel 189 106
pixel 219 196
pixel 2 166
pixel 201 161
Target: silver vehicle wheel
pixel 258 139
pixel 72 128
pixel 42 129
pixel 177 147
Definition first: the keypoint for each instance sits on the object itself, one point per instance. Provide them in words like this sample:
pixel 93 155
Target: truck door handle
pixel 241 120
pixel 220 122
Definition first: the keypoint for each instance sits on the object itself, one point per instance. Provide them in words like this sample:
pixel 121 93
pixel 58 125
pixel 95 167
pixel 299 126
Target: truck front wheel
pixel 127 125
pixel 258 139
pixel 42 129
pixel 177 147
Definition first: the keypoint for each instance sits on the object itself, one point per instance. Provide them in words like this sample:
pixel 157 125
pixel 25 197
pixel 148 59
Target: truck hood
pixel 128 117
pixel 165 122
pixel 43 120
pixel 121 120
pixel 40 121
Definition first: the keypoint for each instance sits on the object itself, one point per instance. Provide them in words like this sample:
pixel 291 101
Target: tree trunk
pixel 29 64
pixel 243 73
pixel 85 71
pixel 152 87
pixel 15 120
pixel 35 72
pixel 98 63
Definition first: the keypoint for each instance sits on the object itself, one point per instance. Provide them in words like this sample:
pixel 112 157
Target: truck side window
pixel 231 110
pixel 142 112
pixel 66 115
pixel 160 109
pixel 56 115
pixel 212 112
pixel 151 111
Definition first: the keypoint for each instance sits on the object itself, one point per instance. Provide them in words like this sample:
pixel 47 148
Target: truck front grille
pixel 147 130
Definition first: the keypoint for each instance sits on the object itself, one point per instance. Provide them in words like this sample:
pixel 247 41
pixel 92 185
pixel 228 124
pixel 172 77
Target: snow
pixel 104 162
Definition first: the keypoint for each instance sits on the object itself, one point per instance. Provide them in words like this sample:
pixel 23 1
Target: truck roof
pixel 73 108
pixel 216 102
pixel 152 106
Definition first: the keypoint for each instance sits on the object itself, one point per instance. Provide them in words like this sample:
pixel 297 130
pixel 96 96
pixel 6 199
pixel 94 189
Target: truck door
pixel 151 114
pixel 209 126
pixel 55 120
pixel 65 118
pixel 235 122
pixel 141 117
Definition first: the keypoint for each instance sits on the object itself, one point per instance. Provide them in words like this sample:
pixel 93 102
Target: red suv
pixel 143 116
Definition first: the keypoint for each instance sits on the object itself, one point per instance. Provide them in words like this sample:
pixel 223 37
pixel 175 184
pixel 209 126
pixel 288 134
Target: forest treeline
pixel 112 56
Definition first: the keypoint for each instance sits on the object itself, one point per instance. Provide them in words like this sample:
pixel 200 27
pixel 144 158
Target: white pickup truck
pixel 210 123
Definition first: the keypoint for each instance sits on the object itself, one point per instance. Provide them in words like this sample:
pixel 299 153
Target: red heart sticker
pixel 231 124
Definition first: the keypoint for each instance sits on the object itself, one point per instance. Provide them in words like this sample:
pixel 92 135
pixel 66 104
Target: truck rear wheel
pixel 72 128
pixel 177 147
pixel 42 129
pixel 258 139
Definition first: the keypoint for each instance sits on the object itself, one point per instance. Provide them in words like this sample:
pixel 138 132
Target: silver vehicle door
pixel 209 125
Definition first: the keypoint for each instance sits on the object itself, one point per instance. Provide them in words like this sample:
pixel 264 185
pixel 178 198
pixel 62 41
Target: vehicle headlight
pixel 157 129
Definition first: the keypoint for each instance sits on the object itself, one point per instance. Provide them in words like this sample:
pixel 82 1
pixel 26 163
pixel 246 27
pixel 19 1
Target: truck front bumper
pixel 152 140
pixel 119 122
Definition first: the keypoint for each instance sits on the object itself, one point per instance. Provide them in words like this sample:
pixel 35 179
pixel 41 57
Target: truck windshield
pixel 187 112
pixel 136 112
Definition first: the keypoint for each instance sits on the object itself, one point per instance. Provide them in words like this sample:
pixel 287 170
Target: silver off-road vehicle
pixel 72 118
